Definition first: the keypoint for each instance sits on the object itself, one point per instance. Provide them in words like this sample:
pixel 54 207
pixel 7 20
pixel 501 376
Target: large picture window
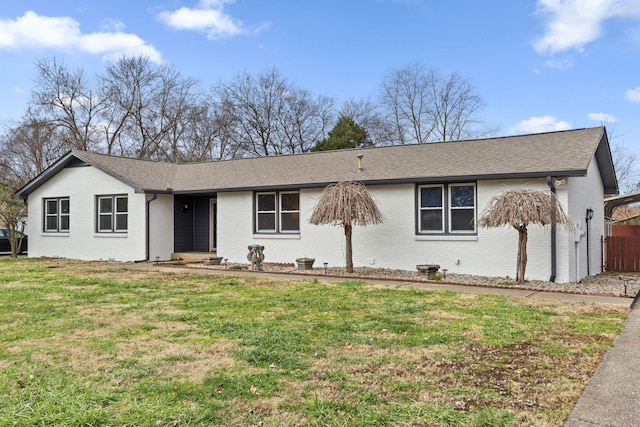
pixel 277 212
pixel 113 214
pixel 447 208
pixel 56 215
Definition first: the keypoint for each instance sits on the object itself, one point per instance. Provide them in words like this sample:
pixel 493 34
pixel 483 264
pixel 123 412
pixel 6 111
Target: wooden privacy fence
pixel 625 230
pixel 622 253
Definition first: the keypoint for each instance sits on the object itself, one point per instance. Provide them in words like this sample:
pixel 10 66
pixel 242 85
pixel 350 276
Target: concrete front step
pixel 192 256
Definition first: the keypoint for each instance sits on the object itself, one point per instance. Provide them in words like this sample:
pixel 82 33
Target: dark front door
pixel 191 223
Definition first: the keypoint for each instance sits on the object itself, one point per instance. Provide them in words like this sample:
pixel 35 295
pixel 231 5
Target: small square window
pixel 56 215
pixel 110 220
pixel 447 208
pixel 278 212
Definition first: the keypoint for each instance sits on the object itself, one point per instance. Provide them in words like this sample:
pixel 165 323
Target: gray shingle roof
pixel 565 153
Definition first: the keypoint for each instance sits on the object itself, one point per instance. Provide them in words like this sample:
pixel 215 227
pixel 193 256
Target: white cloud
pixel 208 17
pixel 572 24
pixel 112 25
pixel 63 33
pixel 540 124
pixel 602 118
pixel 560 64
pixel 633 95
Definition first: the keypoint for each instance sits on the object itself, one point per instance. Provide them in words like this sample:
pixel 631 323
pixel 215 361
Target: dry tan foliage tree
pixel 519 208
pixel 12 213
pixel 346 204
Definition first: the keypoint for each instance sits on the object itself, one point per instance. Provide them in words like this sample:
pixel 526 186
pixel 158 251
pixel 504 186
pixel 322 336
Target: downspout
pixel 148 227
pixel 553 237
pixel 587 220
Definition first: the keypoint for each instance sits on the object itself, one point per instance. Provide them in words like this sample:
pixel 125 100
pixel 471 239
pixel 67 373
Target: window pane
pixel 106 205
pixel 52 207
pixel 121 222
pixel 266 202
pixel 64 223
pixel 64 206
pixel 462 220
pixel 266 221
pixel 105 223
pixel 462 196
pixel 290 201
pixel 431 197
pixel 290 221
pixel 52 223
pixel 121 204
pixel 431 220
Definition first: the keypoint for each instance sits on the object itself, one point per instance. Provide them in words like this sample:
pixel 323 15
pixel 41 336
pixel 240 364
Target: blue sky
pixel 539 64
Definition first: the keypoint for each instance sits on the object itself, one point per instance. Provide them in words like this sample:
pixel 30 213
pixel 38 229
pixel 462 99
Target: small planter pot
pixel 427 269
pixel 214 260
pixel 305 263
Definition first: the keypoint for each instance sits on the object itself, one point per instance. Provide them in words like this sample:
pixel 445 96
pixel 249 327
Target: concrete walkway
pixel 521 293
pixel 612 397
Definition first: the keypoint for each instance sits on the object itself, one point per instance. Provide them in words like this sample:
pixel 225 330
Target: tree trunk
pixel 522 253
pixel 349 250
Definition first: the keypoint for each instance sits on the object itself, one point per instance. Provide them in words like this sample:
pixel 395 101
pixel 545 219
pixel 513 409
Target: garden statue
pixel 256 256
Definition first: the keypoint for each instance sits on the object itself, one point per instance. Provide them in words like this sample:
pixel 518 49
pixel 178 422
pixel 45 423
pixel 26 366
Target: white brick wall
pixel 81 185
pixel 161 227
pixel 583 193
pixel 394 244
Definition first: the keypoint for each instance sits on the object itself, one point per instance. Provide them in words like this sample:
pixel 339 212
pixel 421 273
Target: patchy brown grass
pixel 360 355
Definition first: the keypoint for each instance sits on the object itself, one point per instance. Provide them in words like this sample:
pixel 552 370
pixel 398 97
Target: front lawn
pixel 95 344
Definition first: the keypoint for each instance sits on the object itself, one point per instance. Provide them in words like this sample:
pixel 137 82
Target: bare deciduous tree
pixel 519 208
pixel 12 213
pixel 27 149
pixel 65 99
pixel 366 114
pixel 255 103
pixel 346 204
pixel 425 106
pixel 147 108
pixel 270 115
pixel 303 121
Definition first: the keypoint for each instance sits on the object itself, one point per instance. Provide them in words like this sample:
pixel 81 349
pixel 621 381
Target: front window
pixel 56 215
pixel 462 209
pixel 113 214
pixel 447 208
pixel 266 215
pixel 289 212
pixel 277 212
pixel 432 209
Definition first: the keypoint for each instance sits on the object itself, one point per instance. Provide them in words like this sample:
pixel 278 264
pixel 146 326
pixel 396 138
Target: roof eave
pixel 43 177
pixel 606 166
pixel 62 163
pixel 408 180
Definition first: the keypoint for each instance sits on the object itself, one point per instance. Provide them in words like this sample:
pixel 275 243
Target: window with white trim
pixel 447 208
pixel 462 208
pixel 277 212
pixel 113 214
pixel 56 215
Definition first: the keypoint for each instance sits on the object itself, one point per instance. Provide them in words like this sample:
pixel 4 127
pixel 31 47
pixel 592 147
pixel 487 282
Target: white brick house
pixel 93 206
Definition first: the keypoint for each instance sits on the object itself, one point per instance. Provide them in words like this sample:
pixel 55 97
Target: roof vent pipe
pixel 360 156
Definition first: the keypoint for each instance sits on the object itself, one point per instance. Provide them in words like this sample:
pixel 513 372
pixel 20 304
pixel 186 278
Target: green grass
pixel 94 344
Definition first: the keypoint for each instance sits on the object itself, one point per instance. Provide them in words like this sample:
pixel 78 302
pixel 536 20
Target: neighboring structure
pixel 93 206
pixel 626 215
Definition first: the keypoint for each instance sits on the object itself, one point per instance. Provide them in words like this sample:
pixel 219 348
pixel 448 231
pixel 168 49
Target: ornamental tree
pixel 346 204
pixel 519 208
